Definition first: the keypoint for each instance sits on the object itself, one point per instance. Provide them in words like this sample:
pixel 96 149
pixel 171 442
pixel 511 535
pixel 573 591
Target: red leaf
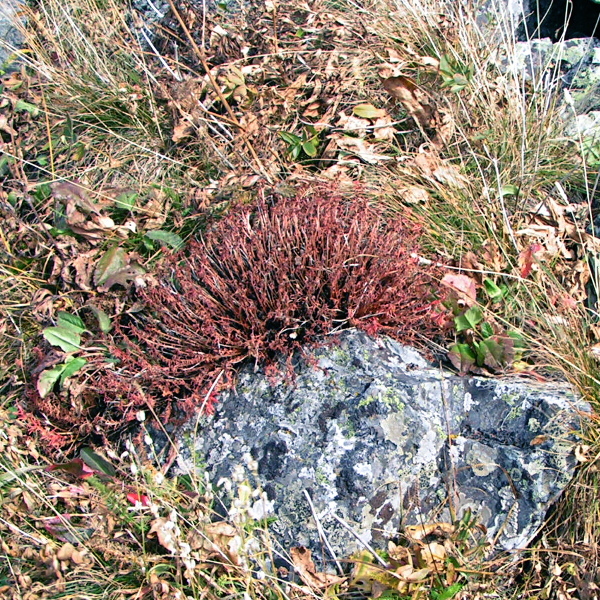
pixel 526 259
pixel 76 467
pixel 464 285
pixel 138 499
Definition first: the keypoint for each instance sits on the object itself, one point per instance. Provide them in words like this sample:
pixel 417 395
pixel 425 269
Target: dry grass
pixel 487 169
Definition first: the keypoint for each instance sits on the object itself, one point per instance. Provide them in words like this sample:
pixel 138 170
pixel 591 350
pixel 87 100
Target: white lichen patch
pixel 428 448
pixel 364 469
pixel 468 402
pixel 482 459
pixel 457 449
pixel 394 429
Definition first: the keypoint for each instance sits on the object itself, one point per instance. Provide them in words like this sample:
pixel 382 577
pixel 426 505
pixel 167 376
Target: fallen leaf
pixel 362 149
pixel 167 533
pixel 182 130
pixel 434 555
pixel 463 284
pixel 305 567
pixel 125 277
pixel 384 130
pixel 418 532
pixel 414 100
pixel 4 126
pixel 414 195
pixel 409 574
pixel 525 259
pixel 74 196
pixel 353 124
pixel 368 111
pixel 112 262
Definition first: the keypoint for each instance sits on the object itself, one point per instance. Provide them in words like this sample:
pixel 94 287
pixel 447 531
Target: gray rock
pixel 373 433
pixel 10 36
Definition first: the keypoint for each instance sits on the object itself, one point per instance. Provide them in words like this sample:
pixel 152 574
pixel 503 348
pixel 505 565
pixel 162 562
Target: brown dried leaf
pixel 83 265
pixel 166 531
pixel 73 196
pixel 384 130
pixel 414 195
pixel 305 566
pixel 416 533
pixel 220 538
pixel 434 555
pixel 182 130
pixel 409 574
pixel 360 148
pixel 4 126
pixel 353 124
pixel 414 100
pixel 450 175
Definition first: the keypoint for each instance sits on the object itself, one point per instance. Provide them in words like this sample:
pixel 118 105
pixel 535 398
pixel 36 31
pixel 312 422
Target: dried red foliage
pixel 264 281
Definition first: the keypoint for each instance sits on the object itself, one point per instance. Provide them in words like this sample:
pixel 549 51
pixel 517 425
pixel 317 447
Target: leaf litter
pixel 304 69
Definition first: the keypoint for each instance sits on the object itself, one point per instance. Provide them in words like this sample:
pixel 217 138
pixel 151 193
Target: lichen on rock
pixel 376 435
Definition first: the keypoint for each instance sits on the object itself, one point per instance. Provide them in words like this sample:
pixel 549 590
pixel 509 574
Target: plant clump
pixel 263 282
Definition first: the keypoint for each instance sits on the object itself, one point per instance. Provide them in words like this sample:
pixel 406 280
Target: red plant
pixel 264 281
pixel 271 277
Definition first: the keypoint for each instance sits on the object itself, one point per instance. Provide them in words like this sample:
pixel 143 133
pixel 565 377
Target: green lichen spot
pixel 340 356
pixel 366 401
pixel 392 398
pixel 321 478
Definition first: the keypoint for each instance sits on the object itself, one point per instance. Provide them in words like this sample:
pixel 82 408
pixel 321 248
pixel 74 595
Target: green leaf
pixel 290 138
pixel 22 106
pixel 71 367
pixel 368 111
pixel 104 321
pixel 126 200
pixel 448 593
pixel 48 378
pixel 519 344
pixel 462 357
pixel 113 260
pixel 445 67
pixel 65 339
pixel 495 293
pixel 71 322
pixel 509 190
pixel 469 320
pixel 96 462
pixel 496 352
pixel 68 131
pixel 486 330
pixel 310 147
pixel 295 152
pixel 166 237
pixel 13 475
pixel 461 323
pixel 518 339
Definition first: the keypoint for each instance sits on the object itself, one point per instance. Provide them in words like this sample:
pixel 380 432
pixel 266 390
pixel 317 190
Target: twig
pixel 358 538
pixel 322 533
pixel 201 54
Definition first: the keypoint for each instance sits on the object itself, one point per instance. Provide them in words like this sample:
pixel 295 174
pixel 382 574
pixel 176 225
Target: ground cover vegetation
pixel 231 186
